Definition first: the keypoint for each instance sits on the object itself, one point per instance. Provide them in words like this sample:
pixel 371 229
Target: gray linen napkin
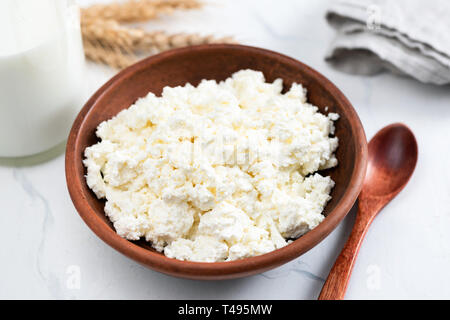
pixel 410 37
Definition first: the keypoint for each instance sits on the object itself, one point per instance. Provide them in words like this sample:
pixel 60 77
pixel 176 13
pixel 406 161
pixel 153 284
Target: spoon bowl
pixel 392 159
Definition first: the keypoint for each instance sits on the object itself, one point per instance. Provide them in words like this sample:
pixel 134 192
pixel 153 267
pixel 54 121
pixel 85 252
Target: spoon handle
pixel 337 281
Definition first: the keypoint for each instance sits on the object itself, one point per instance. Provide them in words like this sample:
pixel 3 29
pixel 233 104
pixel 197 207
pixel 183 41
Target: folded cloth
pixel 410 37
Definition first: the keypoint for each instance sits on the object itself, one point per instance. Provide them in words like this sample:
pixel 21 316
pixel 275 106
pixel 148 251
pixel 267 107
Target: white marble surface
pixel 406 254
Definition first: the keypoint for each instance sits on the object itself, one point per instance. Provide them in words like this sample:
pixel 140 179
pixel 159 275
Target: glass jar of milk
pixel 41 70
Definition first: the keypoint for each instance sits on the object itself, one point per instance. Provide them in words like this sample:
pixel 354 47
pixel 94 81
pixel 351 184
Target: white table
pixel 45 244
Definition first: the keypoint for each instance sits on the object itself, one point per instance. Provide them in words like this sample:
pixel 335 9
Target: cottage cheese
pixel 218 172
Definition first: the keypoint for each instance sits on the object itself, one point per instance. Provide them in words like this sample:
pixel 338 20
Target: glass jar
pixel 41 71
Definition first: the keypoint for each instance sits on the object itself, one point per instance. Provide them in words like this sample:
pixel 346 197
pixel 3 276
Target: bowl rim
pixel 214 270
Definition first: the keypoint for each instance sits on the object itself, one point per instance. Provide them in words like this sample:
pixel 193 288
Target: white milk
pixel 41 69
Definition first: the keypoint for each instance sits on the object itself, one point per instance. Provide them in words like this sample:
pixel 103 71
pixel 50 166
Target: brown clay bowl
pixel 218 62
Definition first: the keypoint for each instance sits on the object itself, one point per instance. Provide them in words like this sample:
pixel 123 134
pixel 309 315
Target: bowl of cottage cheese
pixel 215 162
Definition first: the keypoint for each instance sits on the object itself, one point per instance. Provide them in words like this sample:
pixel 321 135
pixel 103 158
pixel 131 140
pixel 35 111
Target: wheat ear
pixel 126 44
pixel 136 10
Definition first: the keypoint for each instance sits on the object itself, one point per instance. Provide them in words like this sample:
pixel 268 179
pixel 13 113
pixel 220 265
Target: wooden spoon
pixel 392 160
